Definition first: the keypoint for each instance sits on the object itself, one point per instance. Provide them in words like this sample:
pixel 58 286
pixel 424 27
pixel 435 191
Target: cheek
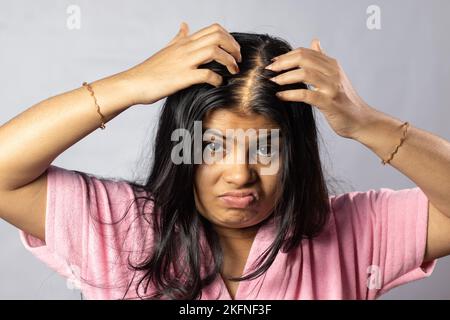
pixel 270 186
pixel 203 178
pixel 204 181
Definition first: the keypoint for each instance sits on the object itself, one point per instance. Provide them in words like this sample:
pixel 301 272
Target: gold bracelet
pixel 88 86
pixel 406 125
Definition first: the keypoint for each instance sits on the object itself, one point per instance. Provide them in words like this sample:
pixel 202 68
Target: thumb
pixel 183 31
pixel 315 45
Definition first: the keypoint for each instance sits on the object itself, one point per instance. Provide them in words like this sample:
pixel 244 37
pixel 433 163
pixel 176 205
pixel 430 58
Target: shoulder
pixel 373 199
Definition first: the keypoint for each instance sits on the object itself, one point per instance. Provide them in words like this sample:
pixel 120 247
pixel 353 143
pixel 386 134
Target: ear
pixel 183 32
pixel 315 45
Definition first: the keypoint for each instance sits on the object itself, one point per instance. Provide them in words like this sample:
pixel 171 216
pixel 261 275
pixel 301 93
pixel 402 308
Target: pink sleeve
pixel 402 227
pixel 389 228
pixel 87 234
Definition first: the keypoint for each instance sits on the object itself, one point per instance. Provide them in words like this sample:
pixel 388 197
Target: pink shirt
pixel 374 241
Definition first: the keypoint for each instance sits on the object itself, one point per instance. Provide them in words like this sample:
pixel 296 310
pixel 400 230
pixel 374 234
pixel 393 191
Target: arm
pixel 59 122
pixel 33 139
pixel 425 159
pixel 48 128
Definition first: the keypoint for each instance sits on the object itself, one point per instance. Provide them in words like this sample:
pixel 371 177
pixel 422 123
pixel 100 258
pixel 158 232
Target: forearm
pixel 423 156
pixel 32 140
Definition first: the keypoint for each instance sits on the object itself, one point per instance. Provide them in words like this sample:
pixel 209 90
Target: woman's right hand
pixel 175 67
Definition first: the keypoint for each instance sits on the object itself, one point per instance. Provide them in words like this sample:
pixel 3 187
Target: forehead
pixel 226 119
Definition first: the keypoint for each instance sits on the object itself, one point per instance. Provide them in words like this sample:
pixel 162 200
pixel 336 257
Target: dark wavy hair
pixel 173 269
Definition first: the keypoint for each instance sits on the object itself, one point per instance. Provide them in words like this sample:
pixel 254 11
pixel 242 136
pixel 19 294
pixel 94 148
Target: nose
pixel 239 174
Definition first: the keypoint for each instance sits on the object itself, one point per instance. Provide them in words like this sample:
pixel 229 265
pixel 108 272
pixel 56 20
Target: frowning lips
pixel 240 198
pixel 241 193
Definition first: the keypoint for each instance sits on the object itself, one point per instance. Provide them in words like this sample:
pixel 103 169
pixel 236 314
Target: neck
pixel 236 233
pixel 236 243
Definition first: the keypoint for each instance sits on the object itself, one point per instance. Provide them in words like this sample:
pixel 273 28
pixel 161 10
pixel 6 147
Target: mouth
pixel 239 199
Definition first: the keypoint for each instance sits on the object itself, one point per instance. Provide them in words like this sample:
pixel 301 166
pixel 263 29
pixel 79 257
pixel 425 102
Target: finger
pixel 212 28
pixel 315 45
pixel 208 76
pixel 313 98
pixel 302 58
pixel 184 29
pixel 319 55
pixel 213 52
pixel 320 46
pixel 182 32
pixel 221 39
pixel 215 27
pixel 305 75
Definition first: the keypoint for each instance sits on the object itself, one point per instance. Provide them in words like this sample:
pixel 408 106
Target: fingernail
pixel 269 67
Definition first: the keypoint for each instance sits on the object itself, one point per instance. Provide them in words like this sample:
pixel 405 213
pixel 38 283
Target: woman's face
pixel 215 178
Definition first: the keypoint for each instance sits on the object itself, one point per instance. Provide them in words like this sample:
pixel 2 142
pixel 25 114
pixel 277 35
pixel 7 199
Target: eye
pixel 212 146
pixel 266 151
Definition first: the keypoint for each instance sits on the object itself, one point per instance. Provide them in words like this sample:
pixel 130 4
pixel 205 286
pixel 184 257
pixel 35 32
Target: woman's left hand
pixel 333 94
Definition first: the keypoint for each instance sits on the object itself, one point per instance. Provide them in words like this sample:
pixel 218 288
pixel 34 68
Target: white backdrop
pixel 401 69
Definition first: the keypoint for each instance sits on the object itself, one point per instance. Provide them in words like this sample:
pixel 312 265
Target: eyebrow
pixel 258 134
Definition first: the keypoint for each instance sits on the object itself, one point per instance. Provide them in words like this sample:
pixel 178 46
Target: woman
pixel 227 230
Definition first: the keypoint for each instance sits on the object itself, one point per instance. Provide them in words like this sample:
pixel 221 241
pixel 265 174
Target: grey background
pixel 402 69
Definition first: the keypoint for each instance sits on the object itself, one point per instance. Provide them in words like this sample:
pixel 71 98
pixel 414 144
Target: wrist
pixel 115 91
pixel 379 132
pixel 140 90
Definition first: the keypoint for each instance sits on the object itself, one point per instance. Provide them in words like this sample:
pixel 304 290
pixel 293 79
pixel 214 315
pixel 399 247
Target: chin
pixel 239 219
